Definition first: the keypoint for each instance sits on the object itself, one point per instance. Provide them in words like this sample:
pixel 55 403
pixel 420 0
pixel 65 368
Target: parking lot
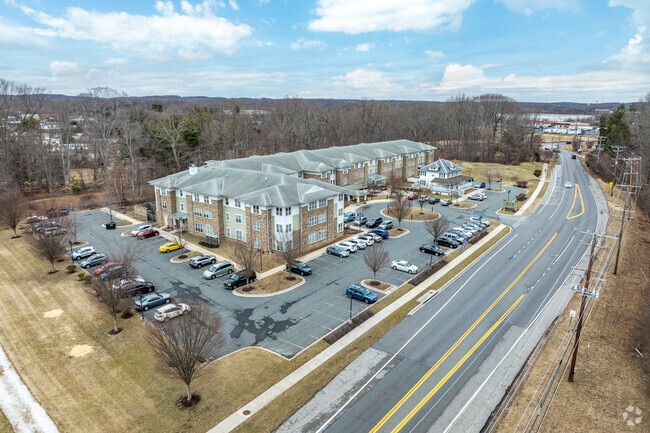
pixel 288 322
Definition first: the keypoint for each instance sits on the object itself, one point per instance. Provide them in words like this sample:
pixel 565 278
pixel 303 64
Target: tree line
pixel 126 141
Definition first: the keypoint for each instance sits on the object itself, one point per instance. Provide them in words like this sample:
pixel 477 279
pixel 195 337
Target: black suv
pixel 299 267
pixel 432 249
pixel 374 222
pixel 240 278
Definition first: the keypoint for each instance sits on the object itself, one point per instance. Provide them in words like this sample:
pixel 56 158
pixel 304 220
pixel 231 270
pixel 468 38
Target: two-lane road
pixel 434 356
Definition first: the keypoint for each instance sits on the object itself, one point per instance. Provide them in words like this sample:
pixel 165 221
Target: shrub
pixel 71 268
pixel 81 275
pixel 521 197
pixel 521 183
pixel 537 173
pixel 88 278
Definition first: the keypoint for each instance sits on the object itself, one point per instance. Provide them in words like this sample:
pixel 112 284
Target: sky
pixel 589 51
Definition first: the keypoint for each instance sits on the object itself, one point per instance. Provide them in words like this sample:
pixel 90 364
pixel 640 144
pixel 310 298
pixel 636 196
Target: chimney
pixel 193 169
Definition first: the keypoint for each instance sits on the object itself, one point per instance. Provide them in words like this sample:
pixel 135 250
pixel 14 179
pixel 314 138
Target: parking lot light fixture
pixel 508 196
pixel 71 258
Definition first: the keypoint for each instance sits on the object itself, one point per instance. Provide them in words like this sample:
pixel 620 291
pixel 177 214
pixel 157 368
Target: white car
pixel 368 239
pixel 141 228
pixel 350 246
pixel 568 185
pixel 83 252
pixel 479 220
pixel 170 311
pixel 403 265
pixel 375 237
pixel 360 243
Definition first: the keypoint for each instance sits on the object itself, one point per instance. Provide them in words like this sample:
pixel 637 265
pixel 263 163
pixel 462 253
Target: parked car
pixel 479 185
pixel 169 246
pixel 109 270
pixel 480 220
pixel 574 156
pixel 447 241
pixel 360 243
pixel 139 229
pixel 94 260
pixel 335 250
pixel 132 286
pixel 350 246
pixel 374 222
pixel 375 237
pixel 54 231
pixel 151 300
pixel 349 217
pixel 240 278
pixel 223 267
pixel 475 197
pixel 434 200
pixel 568 185
pixel 361 293
pixel 424 198
pixel 381 232
pixel 445 202
pixel 367 238
pixel 147 233
pixel 360 220
pixel 457 236
pixel 404 266
pixel 299 267
pixel 202 260
pixel 83 252
pixel 464 231
pixel 170 311
pixel 386 225
pixel 412 196
pixel 432 249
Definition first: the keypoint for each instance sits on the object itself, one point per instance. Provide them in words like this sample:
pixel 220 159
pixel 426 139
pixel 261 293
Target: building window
pixel 164 204
pixel 206 199
pixel 239 235
pixel 228 232
pixel 323 175
pixel 339 227
pixel 196 197
pixel 256 226
pixel 278 228
pixel 208 230
pixel 180 193
pixel 278 211
pixel 340 211
pixel 238 218
pixel 312 221
pixel 256 209
pixel 256 243
pixel 207 213
pixel 322 202
pixel 226 201
pixel 340 197
pixel 312 205
pixel 287 228
pixel 182 207
pixel 237 203
pixel 198 227
pixel 163 191
pixel 197 212
pixel 287 211
pixel 227 216
pixel 312 238
pixel 322 218
pixel 322 234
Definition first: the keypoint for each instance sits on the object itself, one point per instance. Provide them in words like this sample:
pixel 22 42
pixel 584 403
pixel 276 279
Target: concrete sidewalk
pixel 292 379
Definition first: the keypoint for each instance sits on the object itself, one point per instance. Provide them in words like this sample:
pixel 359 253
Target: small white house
pixel 443 177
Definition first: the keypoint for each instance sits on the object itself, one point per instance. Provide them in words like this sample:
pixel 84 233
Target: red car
pixel 144 234
pixel 412 196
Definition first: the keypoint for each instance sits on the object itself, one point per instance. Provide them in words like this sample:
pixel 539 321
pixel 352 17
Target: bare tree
pixel 49 242
pixel 111 300
pixel 184 345
pixel 375 258
pixel 246 254
pixel 290 250
pixel 400 208
pixel 421 202
pixel 12 208
pixel 127 253
pixel 436 227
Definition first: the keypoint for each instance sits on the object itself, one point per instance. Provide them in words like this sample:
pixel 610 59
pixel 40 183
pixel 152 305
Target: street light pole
pixel 508 196
pixel 350 308
pixel 71 258
pixel 141 307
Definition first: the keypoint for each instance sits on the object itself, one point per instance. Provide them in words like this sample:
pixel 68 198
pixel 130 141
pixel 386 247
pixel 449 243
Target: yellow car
pixel 169 246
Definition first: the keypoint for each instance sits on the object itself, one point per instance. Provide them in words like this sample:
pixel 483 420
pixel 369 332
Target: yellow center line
pixel 576 194
pixel 459 364
pixel 423 379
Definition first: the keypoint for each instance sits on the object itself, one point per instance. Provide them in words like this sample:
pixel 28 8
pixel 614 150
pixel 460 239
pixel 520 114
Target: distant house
pixel 443 177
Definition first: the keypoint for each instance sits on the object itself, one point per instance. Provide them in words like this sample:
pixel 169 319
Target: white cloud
pixel 193 33
pixel 64 69
pixel 365 47
pixel 636 53
pixel 432 53
pixel 360 16
pixel 527 7
pixel 306 44
pixel 364 82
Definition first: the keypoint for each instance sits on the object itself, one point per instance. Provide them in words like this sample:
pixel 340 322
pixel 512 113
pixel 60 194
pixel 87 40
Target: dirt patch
pixel 52 314
pixel 275 283
pixel 81 350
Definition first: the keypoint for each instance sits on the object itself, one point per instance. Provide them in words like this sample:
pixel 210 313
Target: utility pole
pixel 582 310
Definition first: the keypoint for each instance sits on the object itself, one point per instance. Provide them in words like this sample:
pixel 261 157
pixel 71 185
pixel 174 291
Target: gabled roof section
pixel 441 166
